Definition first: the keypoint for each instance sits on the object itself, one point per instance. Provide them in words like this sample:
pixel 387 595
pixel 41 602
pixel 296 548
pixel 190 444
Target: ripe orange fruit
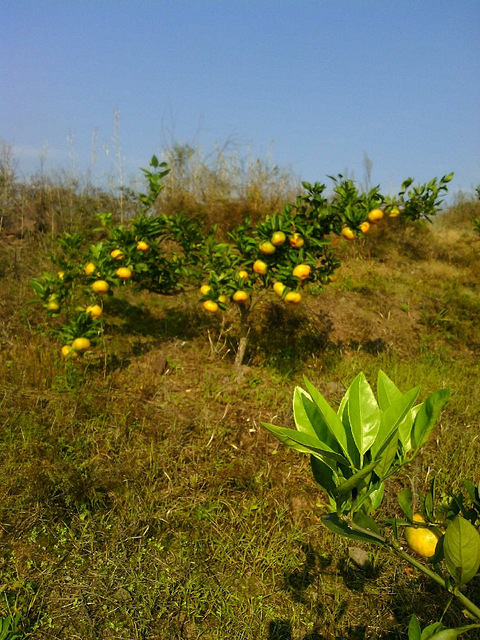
pixel 243 275
pixel 61 274
pixel 94 311
pixel 364 227
pixel 53 306
pixel 124 273
pixel 117 254
pixel 211 306
pixel 222 298
pixel 347 233
pixel 100 286
pixel 394 212
pixel 68 351
pixel 240 296
pixel 302 271
pixel 279 288
pixel 278 238
pixel 142 246
pixel 267 248
pixel 375 215
pixel 296 241
pixel 89 269
pixel 205 289
pixel 293 297
pixel 260 267
pixel 81 344
pixel 420 539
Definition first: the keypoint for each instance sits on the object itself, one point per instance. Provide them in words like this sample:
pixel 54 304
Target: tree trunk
pixel 242 344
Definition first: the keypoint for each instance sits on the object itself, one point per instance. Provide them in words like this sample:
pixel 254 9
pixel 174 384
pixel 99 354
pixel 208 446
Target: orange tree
pixel 355 449
pixel 154 253
pixel 292 249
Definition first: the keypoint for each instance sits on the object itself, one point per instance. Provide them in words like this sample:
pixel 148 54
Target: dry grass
pixel 141 497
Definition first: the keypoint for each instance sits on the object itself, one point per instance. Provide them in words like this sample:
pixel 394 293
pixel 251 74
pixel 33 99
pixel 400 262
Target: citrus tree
pixel 153 253
pixel 355 449
pixel 290 250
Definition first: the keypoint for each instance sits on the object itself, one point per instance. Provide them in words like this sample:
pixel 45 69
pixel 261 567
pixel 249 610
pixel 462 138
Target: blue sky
pixel 315 83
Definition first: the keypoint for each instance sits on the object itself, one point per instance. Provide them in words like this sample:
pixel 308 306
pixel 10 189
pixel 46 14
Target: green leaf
pixel 414 631
pixel 323 475
pixel 427 415
pixel 429 631
pixel 405 498
pixel 309 419
pixel 387 391
pixel 363 413
pixel 305 443
pixel 461 546
pixel 365 522
pixel 451 634
pixel 332 421
pixel 353 482
pixel 391 418
pixel 355 532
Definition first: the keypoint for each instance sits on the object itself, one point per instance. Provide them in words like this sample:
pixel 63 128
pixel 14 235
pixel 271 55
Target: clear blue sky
pixel 321 82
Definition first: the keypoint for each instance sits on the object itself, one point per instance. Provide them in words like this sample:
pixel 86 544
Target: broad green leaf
pixel 414 631
pixel 305 443
pixel 461 546
pixel 387 457
pixel 335 524
pixel 405 497
pixel 308 419
pixel 323 475
pixel 330 418
pixel 391 418
pixel 451 634
pixel 364 521
pixel 342 413
pixel 405 429
pixel 376 497
pixel 431 630
pixel 363 413
pixel 353 482
pixel 387 391
pixel 427 415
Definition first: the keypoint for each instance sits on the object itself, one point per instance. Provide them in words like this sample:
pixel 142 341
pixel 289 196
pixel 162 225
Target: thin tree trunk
pixel 242 344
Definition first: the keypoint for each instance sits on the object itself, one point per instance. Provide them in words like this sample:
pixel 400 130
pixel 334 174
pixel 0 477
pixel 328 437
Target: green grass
pixel 142 499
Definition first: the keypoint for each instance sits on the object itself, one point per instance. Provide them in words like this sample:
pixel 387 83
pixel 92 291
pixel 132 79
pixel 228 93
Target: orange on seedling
pixel 124 273
pixel 260 267
pixel 94 311
pixel 81 344
pixel 365 226
pixel 240 296
pixel 205 289
pixel 279 288
pixel 422 540
pixel 347 233
pixel 278 238
pixel 142 246
pixel 100 286
pixel 89 269
pixel 296 241
pixel 375 215
pixel 117 254
pixel 292 298
pixel 302 271
pixel 211 306
pixel 267 248
pixel 243 275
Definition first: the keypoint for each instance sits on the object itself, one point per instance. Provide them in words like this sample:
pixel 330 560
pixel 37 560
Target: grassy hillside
pixel 142 499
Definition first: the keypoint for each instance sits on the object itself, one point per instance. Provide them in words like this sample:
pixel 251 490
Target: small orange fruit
pixel 243 275
pixel 100 286
pixel 347 233
pixel 279 288
pixel 222 298
pixel 296 241
pixel 81 344
pixel 375 215
pixel 117 254
pixel 61 275
pixel 292 298
pixel 142 246
pixel 302 271
pixel 421 539
pixel 240 297
pixel 67 350
pixel 394 212
pixel 278 238
pixel 124 273
pixel 365 226
pixel 94 311
pixel 211 306
pixel 205 289
pixel 260 267
pixel 267 248
pixel 89 269
pixel 53 306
